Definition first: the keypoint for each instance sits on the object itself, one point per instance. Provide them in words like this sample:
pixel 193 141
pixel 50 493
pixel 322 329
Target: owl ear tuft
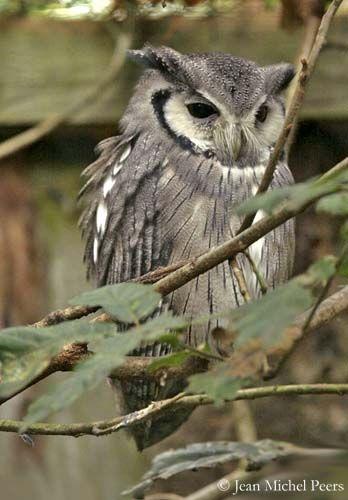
pixel 278 77
pixel 164 59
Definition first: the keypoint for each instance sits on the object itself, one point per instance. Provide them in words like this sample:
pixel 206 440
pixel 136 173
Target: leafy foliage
pixel 265 319
pixel 322 270
pixel 297 194
pixel 175 359
pixel 210 454
pixel 125 302
pixel 110 354
pixel 25 352
pixel 254 326
pixel 335 204
pixel 220 384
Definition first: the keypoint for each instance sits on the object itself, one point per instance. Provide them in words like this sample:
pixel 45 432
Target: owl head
pixel 212 103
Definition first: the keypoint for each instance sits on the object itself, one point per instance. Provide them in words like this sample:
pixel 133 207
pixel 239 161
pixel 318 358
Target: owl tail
pixel 138 393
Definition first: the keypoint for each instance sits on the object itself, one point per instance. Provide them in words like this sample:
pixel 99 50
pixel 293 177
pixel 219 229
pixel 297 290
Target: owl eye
pixel 262 113
pixel 201 110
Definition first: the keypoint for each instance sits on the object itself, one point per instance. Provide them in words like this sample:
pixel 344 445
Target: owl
pixel 194 143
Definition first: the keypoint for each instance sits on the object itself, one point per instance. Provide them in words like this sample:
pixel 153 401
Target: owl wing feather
pixel 120 221
pixel 121 226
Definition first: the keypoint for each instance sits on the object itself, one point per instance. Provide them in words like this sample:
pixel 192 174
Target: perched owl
pixel 195 140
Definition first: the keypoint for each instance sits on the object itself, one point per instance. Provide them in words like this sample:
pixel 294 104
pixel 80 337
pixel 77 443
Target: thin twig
pixel 164 278
pixel 138 366
pixel 230 248
pixel 178 274
pixel 67 314
pixel 216 255
pixel 307 68
pixel 34 134
pixel 260 279
pixel 177 402
pixel 238 273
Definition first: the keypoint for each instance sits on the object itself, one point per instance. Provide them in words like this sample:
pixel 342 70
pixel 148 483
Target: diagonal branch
pixel 241 241
pixel 307 68
pixel 138 366
pixel 201 264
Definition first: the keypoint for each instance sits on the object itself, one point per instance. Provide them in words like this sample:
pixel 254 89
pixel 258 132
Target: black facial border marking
pixel 158 101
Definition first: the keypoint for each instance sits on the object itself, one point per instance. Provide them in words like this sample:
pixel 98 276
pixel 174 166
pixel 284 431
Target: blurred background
pixel 52 55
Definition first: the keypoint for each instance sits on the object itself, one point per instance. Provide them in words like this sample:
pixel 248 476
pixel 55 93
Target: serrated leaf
pixel 86 376
pixel 223 381
pixel 27 351
pixel 111 354
pixel 211 454
pixel 266 318
pixel 124 302
pixel 218 384
pixel 335 204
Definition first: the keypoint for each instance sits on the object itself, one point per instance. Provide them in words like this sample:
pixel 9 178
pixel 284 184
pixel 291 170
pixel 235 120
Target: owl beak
pixel 228 141
pixel 236 142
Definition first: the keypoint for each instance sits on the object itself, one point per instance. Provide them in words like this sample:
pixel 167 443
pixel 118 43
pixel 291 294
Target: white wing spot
pixel 95 250
pixel 102 215
pixel 116 169
pixel 125 154
pixel 256 248
pixel 108 185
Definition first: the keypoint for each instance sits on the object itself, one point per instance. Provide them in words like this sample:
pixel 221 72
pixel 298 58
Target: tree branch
pixel 34 134
pixel 238 243
pixel 325 312
pixel 138 366
pixel 307 68
pixel 181 400
pixel 258 274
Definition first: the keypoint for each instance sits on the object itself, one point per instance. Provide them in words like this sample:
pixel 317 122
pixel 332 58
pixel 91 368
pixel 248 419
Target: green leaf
pixel 86 376
pixel 322 270
pixel 270 4
pixel 266 318
pixel 335 204
pixel 26 351
pixel 271 200
pixel 219 384
pixel 125 302
pixel 111 353
pixel 175 359
pixel 297 194
pixel 172 340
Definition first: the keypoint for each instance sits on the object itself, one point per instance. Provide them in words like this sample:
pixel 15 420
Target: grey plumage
pixel 195 139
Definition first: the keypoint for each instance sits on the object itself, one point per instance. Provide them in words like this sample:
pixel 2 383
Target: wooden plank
pixel 47 64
